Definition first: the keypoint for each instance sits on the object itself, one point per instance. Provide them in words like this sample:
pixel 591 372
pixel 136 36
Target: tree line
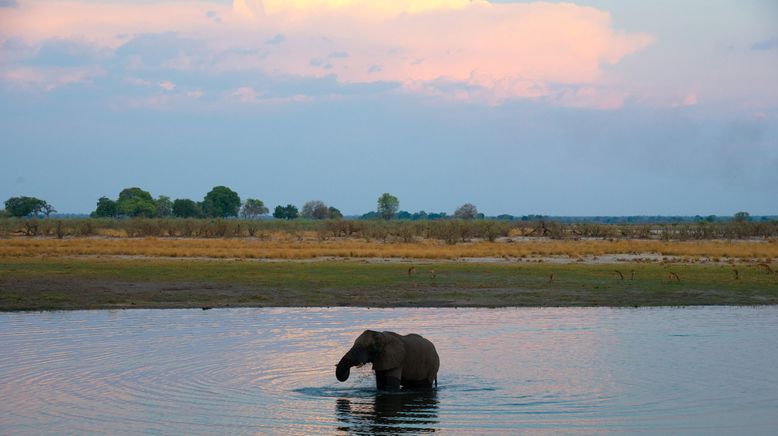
pixel 223 202
pixel 219 202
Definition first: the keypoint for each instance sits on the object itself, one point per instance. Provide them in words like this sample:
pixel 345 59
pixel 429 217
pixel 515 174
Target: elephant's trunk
pixel 354 357
pixel 343 369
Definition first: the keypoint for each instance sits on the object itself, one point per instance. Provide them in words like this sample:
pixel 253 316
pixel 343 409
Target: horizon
pixel 581 109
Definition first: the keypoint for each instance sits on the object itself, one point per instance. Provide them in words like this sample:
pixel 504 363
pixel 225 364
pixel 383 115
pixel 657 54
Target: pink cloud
pixel 494 51
pixel 49 78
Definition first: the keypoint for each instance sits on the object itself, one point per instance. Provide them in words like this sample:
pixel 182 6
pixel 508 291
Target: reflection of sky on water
pixel 265 370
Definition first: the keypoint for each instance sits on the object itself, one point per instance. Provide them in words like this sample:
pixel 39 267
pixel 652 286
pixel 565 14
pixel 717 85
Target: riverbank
pixel 51 283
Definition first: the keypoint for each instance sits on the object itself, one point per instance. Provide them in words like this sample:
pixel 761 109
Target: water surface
pixel 574 370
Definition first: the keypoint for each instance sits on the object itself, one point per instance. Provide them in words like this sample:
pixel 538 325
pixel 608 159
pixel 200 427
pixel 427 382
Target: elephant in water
pixel 408 361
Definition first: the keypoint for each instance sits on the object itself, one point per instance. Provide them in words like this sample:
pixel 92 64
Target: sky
pixel 597 107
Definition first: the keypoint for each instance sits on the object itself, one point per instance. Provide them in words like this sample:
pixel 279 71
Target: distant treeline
pixel 223 202
pixel 451 231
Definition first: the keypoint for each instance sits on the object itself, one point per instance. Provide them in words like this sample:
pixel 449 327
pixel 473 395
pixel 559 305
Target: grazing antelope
pixel 671 275
pixel 411 271
pixel 766 267
pixel 737 274
pixel 433 274
pixel 621 276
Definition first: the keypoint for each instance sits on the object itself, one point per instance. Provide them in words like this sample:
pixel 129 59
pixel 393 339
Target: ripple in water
pixel 688 370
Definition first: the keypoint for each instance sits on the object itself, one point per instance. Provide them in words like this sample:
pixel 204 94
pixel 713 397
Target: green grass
pixel 61 283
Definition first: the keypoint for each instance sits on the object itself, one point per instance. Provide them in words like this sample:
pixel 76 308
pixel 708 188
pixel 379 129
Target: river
pixel 700 370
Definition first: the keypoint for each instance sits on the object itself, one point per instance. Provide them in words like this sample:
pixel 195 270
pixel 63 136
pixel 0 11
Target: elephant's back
pixel 423 352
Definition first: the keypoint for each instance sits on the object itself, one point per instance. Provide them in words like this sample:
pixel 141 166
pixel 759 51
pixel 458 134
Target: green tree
pixel 253 208
pixel 106 208
pixel 221 202
pixel 316 210
pixel 388 205
pixel 136 202
pixel 24 206
pixel 404 215
pixel 334 213
pixel 288 212
pixel 467 211
pixel 164 206
pixel 740 217
pixel 186 208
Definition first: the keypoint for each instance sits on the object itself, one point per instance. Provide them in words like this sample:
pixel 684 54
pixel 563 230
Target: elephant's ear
pixel 391 351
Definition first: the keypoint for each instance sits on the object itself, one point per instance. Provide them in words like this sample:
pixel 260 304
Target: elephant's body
pixel 409 361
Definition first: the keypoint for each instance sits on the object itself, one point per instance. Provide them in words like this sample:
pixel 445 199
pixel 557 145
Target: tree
pixel 24 206
pixel 106 208
pixel 221 202
pixel 388 205
pixel 253 208
pixel 316 210
pixel 48 209
pixel 372 215
pixel 467 211
pixel 136 202
pixel 740 217
pixel 420 215
pixel 334 213
pixel 164 206
pixel 186 208
pixel 404 215
pixel 285 213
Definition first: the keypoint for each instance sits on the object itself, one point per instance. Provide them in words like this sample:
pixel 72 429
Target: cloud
pixel 167 85
pixel 378 9
pixel 458 49
pixel 214 16
pixel 161 50
pixel 9 4
pixel 247 94
pixel 278 39
pixel 68 53
pixel 499 47
pixel 767 44
pixel 50 78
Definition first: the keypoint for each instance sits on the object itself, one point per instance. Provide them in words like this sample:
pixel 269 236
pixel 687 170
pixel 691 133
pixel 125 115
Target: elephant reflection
pixel 409 412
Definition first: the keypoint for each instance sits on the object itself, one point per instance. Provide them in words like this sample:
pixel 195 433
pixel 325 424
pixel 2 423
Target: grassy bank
pixel 67 283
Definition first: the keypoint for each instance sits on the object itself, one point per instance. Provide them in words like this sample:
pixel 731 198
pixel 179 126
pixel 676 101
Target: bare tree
pixel 47 209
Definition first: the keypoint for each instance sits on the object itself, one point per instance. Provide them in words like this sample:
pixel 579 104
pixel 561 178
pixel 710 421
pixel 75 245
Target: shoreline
pixel 603 259
pixel 117 282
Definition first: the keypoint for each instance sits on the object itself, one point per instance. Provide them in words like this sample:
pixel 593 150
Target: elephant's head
pixel 383 350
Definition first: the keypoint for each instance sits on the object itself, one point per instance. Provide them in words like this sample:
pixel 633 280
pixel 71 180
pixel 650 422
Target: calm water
pixel 695 370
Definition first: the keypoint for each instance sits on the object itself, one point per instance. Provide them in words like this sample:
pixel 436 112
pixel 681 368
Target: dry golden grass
pixel 281 246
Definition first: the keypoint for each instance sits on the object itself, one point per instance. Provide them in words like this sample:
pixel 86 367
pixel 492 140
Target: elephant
pixel 408 362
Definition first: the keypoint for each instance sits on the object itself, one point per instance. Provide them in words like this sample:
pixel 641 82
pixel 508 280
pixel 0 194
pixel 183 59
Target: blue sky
pixel 596 108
